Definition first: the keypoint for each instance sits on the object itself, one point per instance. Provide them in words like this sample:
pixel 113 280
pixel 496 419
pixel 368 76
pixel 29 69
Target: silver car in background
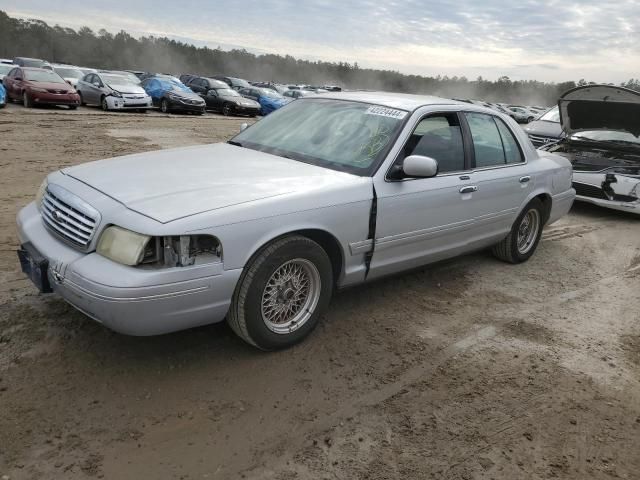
pixel 329 191
pixel 113 91
pixel 69 74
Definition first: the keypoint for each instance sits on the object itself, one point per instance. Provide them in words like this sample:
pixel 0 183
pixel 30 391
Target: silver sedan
pixel 330 191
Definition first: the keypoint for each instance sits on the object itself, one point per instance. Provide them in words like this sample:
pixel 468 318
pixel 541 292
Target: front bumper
pixel 55 98
pixel 186 107
pixel 130 300
pixel 129 102
pixel 617 191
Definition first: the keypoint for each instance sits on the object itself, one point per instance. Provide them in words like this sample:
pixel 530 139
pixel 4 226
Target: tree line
pixel 102 49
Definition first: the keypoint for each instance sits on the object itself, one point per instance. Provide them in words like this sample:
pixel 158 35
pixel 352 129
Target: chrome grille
pixel 540 140
pixel 69 216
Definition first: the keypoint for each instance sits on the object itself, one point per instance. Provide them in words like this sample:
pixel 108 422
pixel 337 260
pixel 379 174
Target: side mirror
pixel 417 166
pixel 212 93
pixel 244 126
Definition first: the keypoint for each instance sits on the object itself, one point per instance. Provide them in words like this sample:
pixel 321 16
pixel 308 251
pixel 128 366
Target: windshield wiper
pixel 233 142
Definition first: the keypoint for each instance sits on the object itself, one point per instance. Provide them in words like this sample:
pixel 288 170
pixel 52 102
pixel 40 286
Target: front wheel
pixel 104 104
pixel 164 106
pixel 525 235
pixel 282 293
pixel 226 109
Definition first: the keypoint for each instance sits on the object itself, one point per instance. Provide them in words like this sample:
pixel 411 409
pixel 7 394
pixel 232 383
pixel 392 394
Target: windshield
pixel 606 136
pixel 552 115
pixel 239 82
pixel 345 136
pixel 112 79
pixel 42 76
pixel 227 92
pixel 267 92
pixel 69 72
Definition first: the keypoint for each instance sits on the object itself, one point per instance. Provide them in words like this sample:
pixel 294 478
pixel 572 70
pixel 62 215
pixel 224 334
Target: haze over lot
pixel 546 40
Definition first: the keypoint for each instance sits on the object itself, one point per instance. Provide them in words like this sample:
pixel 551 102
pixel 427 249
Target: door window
pixel 511 147
pixel 438 137
pixel 487 143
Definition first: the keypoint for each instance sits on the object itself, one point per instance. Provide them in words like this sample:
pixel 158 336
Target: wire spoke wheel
pixel 291 296
pixel 528 231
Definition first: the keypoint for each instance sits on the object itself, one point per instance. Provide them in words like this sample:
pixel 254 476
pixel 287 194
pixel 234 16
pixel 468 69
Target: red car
pixel 37 86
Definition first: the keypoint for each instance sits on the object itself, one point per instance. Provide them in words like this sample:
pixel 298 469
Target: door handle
pixel 469 189
pixel 525 179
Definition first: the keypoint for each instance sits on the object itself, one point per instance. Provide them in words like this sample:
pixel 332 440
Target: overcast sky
pixel 549 40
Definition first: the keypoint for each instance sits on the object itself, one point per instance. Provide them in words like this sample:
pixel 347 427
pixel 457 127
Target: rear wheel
pixel 525 235
pixel 26 100
pixel 282 293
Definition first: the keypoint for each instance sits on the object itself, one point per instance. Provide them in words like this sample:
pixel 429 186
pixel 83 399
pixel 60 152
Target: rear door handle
pixel 525 179
pixel 469 189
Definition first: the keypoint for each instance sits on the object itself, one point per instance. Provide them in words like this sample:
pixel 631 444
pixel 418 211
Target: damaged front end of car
pixel 602 127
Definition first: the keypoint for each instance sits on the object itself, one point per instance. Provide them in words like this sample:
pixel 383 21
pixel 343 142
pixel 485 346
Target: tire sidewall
pixel 537 204
pixel 103 104
pixel 257 329
pixel 164 106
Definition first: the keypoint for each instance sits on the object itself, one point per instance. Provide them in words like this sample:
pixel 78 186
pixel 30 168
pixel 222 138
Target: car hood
pixel 167 185
pixel 544 128
pixel 52 86
pixel 241 101
pixel 126 88
pixel 183 94
pixel 600 107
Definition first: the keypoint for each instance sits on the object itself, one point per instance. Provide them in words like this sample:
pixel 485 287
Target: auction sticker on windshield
pixel 386 112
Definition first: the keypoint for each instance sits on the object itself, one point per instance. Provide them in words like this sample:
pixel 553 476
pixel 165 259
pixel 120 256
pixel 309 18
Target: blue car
pixel 171 94
pixel 269 100
pixel 3 96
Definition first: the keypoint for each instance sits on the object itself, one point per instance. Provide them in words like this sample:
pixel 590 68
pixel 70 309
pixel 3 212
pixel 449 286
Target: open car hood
pixel 600 107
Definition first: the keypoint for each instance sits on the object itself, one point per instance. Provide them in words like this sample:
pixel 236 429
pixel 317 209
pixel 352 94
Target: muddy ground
pixel 473 369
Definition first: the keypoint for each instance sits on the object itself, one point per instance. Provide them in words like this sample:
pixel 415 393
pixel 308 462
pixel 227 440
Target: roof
pixel 402 101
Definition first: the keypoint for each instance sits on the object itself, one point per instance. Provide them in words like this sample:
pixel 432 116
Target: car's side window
pixel 439 137
pixel 487 143
pixel 512 151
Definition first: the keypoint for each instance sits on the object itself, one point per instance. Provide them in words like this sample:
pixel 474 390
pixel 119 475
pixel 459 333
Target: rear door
pixel 501 177
pixel 428 219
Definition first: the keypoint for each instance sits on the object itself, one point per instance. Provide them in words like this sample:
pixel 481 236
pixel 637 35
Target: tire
pixel 522 241
pixel 226 110
pixel 530 119
pixel 82 102
pixel 256 319
pixel 26 100
pixel 103 104
pixel 164 106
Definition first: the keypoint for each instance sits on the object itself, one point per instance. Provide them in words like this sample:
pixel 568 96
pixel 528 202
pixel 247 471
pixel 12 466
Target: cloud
pixel 546 39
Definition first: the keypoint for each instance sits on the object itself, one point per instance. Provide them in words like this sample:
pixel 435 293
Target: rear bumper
pixel 125 299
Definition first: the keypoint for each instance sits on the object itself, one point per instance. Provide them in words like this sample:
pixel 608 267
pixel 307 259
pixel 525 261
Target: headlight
pixel 122 246
pixel 116 94
pixel 41 191
pixel 131 248
pixel 38 89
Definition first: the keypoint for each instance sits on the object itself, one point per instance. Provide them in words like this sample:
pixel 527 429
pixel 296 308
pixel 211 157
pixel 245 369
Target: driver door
pixel 422 220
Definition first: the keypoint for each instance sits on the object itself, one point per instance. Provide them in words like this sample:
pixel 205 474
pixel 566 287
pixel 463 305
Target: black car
pixel 221 98
pixel 170 94
pixel 546 129
pixel 602 141
pixel 233 82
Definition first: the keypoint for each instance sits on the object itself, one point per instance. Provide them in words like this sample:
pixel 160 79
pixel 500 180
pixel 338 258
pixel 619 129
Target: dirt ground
pixel 472 369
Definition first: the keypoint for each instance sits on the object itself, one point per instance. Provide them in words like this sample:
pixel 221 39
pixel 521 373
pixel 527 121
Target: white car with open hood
pixel 602 140
pixel 327 192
